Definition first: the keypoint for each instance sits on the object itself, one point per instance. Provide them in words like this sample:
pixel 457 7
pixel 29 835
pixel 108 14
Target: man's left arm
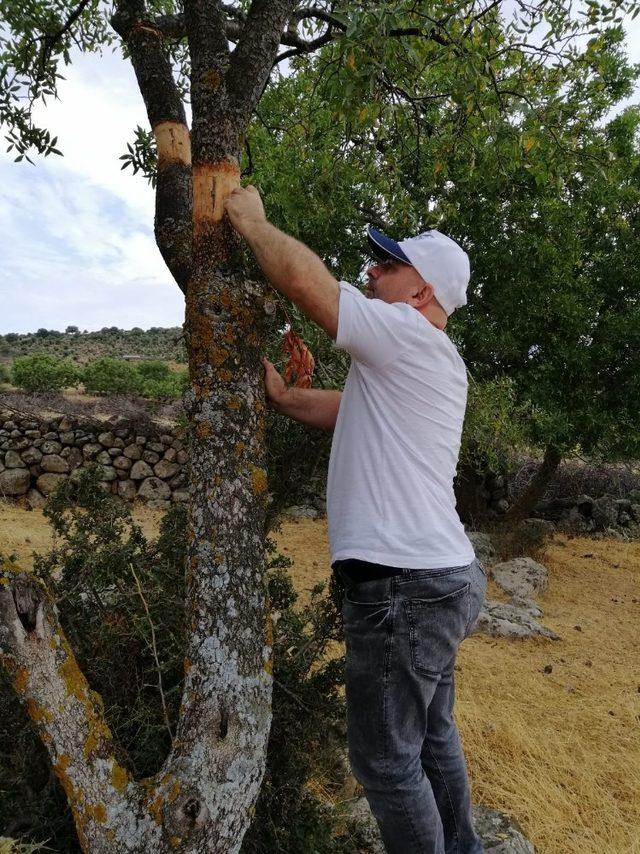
pixel 291 267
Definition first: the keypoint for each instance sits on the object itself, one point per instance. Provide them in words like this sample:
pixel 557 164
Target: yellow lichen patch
pixel 97 812
pixel 60 770
pixel 37 713
pixel 91 743
pixel 21 679
pixel 239 448
pixel 187 665
pixel 174 841
pixel 233 402
pixel 225 375
pixel 74 681
pixel 219 356
pixel 155 809
pixel 54 643
pixel 203 430
pixel 175 791
pixel 258 480
pixel 119 777
pixel 211 78
pixel 173 144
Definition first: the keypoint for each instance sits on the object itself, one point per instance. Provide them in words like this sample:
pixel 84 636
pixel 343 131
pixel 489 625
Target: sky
pixel 76 232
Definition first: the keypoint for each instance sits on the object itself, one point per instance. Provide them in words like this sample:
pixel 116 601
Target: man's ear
pixel 422 296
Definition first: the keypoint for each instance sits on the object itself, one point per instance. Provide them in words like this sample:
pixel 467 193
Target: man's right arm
pixel 311 406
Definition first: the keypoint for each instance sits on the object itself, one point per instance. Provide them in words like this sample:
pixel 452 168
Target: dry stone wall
pixel 147 462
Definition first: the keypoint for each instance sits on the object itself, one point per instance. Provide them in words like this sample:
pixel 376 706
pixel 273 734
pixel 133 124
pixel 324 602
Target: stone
pixel 154 489
pixel 536 528
pixel 73 456
pixel 122 433
pixel 51 436
pixel 68 438
pixel 54 463
pixel 301 511
pixel 65 424
pixel 151 457
pixel 108 474
pixel 165 469
pixel 32 434
pixel 90 450
pixel 482 546
pixel 50 447
pixel 499 832
pixel 127 490
pixel 180 496
pixel 170 455
pixel 573 522
pixel 156 447
pixel 166 439
pixel 14 481
pixel 177 444
pixel 48 482
pixel 13 460
pixel 635 512
pixel 35 499
pixel 553 508
pixel 118 443
pixel 499 619
pixel 182 457
pixel 140 470
pixel 521 576
pixel 114 452
pixel 106 439
pixel 10 425
pixel 141 440
pixel 179 480
pixel 605 512
pixel 132 452
pixel 103 458
pixel 122 463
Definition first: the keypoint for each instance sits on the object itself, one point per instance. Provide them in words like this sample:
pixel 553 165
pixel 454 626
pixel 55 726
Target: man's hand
pixel 245 209
pixel 274 385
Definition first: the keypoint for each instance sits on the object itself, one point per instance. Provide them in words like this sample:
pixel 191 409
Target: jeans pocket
pixel 436 628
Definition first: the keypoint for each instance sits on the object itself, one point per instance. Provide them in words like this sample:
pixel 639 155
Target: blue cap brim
pixel 383 248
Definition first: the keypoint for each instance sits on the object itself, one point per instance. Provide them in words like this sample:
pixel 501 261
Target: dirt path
pixel 558 750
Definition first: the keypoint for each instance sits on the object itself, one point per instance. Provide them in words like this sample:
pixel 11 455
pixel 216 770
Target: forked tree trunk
pixel 202 798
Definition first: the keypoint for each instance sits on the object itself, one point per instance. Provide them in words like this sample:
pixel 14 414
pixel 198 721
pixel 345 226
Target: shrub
pixel 43 373
pixel 111 376
pixel 100 558
pixel 154 370
pixel 4 375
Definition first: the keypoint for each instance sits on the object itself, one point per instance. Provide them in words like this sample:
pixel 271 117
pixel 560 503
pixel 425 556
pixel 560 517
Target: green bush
pixel 43 373
pixel 154 370
pixel 111 376
pixel 4 375
pixel 100 558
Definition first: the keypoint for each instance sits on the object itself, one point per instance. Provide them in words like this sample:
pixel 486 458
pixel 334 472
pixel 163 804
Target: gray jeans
pixel 402 635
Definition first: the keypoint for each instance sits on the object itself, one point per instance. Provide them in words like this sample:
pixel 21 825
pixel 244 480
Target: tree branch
pixel 253 58
pixel 165 110
pixel 67 714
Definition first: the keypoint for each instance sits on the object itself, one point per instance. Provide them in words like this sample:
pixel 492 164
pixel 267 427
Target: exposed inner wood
pixel 174 143
pixel 212 183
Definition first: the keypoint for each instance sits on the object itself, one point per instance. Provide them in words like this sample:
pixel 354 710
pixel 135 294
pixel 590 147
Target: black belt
pixel 361 570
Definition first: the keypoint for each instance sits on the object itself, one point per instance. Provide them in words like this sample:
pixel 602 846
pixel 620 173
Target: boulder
pixel 14 481
pixel 73 456
pixel 482 546
pixel 180 496
pixel 90 450
pixel 106 439
pixel 166 469
pixel 103 458
pixel 65 424
pixel 68 438
pixel 521 576
pixel 13 460
pixel 605 512
pixel 55 463
pixel 122 463
pixel 150 457
pixel 499 832
pixel 573 522
pixel 35 499
pixel 498 619
pixel 50 446
pixel 301 511
pixel 182 457
pixel 140 470
pixel 132 452
pixel 48 482
pixel 154 489
pixel 170 455
pixel 31 456
pixel 127 490
pixel 108 474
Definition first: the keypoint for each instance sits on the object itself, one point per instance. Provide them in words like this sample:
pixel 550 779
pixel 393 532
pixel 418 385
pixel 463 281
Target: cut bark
pixel 535 489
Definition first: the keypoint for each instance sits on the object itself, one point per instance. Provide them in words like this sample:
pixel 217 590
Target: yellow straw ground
pixel 559 751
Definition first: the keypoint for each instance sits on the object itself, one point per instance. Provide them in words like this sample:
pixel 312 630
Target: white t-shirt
pixel 395 447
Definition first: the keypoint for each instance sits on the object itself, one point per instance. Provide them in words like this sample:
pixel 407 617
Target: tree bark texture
pixel 202 798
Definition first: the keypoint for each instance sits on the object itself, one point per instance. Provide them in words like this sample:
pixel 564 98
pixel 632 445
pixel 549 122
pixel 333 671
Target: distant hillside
pixel 82 347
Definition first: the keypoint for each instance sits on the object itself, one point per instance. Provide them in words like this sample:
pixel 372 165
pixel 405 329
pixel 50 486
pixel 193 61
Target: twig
pixel 154 650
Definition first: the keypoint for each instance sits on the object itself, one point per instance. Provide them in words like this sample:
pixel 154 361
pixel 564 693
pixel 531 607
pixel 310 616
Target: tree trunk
pixel 202 798
pixel 536 487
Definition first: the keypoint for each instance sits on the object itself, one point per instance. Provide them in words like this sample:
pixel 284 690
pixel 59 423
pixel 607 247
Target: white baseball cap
pixel 439 260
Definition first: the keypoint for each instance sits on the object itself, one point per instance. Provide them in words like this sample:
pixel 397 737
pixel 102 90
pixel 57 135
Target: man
pixel 413 586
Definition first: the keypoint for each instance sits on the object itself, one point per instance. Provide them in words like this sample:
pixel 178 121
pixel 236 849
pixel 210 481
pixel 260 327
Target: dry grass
pixel 559 751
